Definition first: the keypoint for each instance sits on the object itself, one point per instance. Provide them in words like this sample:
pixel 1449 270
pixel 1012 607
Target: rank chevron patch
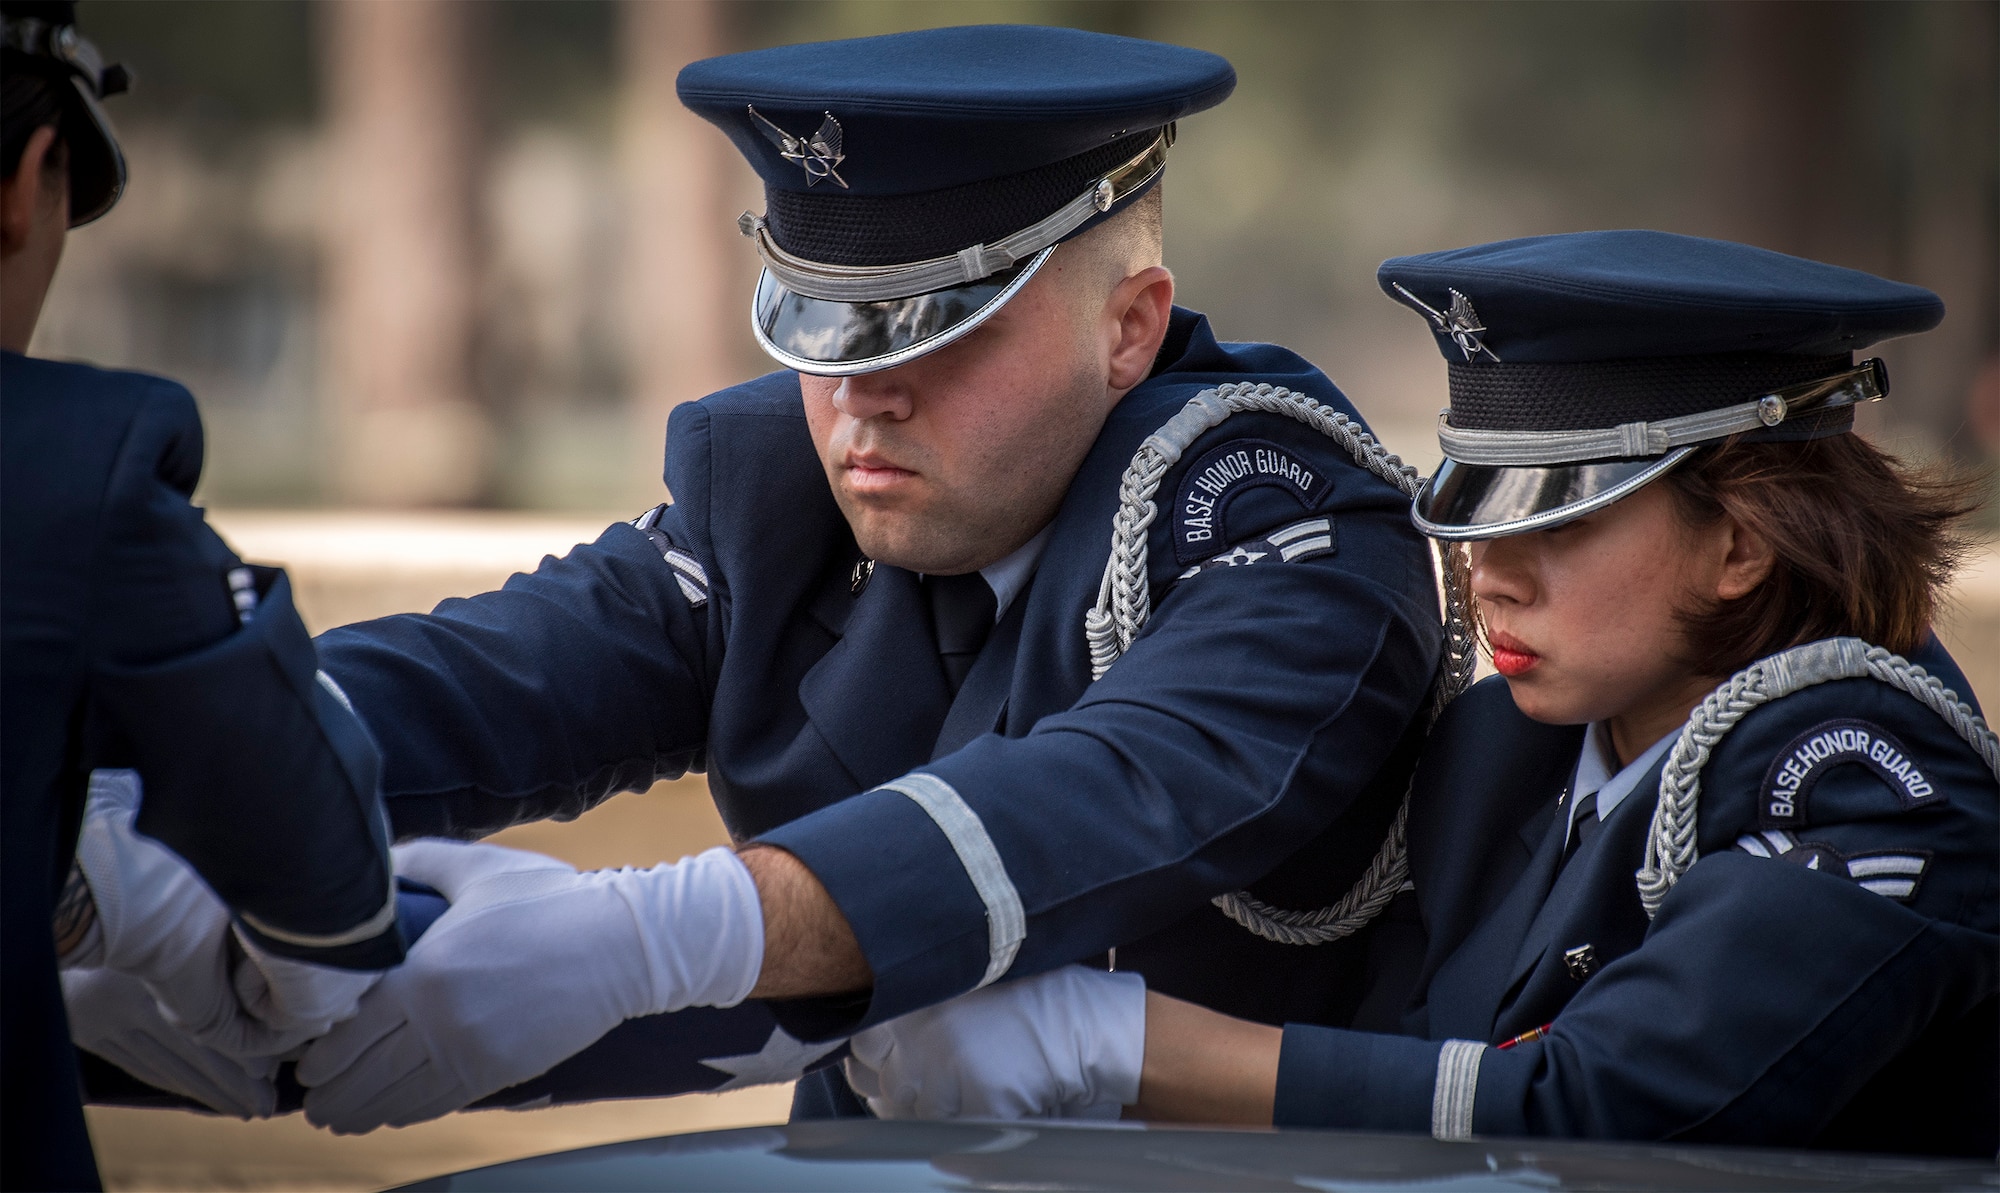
pixel 1306 539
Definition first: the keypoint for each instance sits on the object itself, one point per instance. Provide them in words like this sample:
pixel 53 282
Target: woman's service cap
pixel 40 37
pixel 913 183
pixel 1583 366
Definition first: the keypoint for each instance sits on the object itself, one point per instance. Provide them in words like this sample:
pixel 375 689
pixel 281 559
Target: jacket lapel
pixel 1467 991
pixel 879 695
pixel 1593 902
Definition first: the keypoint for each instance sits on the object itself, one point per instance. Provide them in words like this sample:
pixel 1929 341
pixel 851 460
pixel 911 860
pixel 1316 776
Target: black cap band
pixel 1587 395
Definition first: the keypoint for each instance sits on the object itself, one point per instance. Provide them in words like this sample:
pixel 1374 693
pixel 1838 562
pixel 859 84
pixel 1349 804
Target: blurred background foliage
pixel 468 253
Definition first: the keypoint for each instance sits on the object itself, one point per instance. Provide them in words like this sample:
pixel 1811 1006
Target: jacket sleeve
pixel 1256 704
pixel 203 678
pixel 1668 1042
pixel 587 677
pixel 1777 981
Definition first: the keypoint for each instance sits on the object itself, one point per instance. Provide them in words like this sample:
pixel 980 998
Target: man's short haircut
pixel 1128 241
pixel 1149 215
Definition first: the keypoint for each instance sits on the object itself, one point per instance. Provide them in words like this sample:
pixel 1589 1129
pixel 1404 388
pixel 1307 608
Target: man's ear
pixel 1746 563
pixel 21 196
pixel 1141 304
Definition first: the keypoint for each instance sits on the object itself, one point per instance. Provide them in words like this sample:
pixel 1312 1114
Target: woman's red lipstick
pixel 1511 656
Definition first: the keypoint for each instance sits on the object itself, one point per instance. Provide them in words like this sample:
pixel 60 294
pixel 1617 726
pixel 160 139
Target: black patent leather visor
pixel 96 164
pixel 1484 501
pixel 840 339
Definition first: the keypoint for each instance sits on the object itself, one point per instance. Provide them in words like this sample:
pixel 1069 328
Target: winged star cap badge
pixel 819 154
pixel 1461 322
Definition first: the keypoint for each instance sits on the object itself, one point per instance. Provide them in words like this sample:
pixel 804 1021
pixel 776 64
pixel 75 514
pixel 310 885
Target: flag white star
pixel 781 1059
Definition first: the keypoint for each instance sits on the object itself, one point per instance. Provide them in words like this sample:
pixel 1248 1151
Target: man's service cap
pixel 914 182
pixel 41 37
pixel 1582 366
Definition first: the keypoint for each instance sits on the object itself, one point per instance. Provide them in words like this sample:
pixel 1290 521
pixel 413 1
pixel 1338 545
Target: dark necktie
pixel 962 609
pixel 1583 826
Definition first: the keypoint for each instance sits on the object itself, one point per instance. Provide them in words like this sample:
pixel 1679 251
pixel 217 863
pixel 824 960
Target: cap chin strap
pixel 1867 382
pixel 879 283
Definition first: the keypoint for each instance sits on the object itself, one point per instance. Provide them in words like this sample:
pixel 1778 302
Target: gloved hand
pixel 114 1016
pixel 158 922
pixel 1065 1044
pixel 532 963
pixel 296 999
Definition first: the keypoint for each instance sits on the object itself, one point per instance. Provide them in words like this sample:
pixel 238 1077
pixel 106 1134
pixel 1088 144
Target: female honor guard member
pixel 134 638
pixel 864 615
pixel 1710 604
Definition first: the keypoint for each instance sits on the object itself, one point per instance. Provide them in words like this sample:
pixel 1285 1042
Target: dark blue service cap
pixel 914 182
pixel 41 37
pixel 1583 366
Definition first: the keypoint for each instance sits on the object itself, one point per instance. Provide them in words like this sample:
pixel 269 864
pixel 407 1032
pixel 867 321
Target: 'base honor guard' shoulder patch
pixel 1800 766
pixel 1224 473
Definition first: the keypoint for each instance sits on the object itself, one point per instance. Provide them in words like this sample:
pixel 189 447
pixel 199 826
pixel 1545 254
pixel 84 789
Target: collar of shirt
pixel 1010 575
pixel 1593 773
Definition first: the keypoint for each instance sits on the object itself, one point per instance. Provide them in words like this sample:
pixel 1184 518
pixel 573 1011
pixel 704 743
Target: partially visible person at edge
pixel 864 616
pixel 1650 449
pixel 138 654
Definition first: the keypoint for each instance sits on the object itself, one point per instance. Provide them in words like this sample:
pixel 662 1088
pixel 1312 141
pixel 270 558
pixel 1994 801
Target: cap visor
pixel 840 339
pixel 96 164
pixel 1483 501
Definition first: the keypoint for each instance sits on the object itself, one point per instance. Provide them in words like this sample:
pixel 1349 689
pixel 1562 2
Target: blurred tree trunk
pixel 687 280
pixel 400 257
pixel 1952 224
pixel 1861 135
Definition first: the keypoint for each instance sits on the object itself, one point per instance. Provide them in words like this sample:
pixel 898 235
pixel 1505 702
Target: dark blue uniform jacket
pixel 1821 979
pixel 122 646
pixel 1264 715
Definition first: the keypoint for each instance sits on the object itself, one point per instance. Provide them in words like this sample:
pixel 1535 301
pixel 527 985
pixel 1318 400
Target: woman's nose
pixel 1501 572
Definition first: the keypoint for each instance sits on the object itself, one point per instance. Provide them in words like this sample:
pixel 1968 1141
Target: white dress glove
pixel 114 1016
pixel 1065 1044
pixel 157 921
pixel 532 963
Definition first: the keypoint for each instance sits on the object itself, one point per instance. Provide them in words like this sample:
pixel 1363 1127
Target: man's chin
pixel 911 543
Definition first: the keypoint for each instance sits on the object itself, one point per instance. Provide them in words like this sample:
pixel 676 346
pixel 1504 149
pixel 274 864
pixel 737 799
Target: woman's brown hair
pixel 1863 543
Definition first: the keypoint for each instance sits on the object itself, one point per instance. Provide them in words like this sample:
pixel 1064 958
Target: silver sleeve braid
pixel 1671 847
pixel 1124 602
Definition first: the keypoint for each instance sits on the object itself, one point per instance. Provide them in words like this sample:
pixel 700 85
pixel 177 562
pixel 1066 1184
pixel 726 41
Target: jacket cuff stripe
pixel 375 925
pixel 1457 1083
pixel 1006 922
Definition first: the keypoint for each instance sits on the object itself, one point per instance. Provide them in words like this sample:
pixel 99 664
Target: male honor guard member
pixel 864 614
pixel 1713 858
pixel 131 637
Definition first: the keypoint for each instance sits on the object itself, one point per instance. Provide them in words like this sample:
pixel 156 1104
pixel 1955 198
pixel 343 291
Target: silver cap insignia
pixel 820 153
pixel 1461 323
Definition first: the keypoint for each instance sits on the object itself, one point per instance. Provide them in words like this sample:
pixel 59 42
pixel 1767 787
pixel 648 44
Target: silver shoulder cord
pixel 1670 846
pixel 1124 602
